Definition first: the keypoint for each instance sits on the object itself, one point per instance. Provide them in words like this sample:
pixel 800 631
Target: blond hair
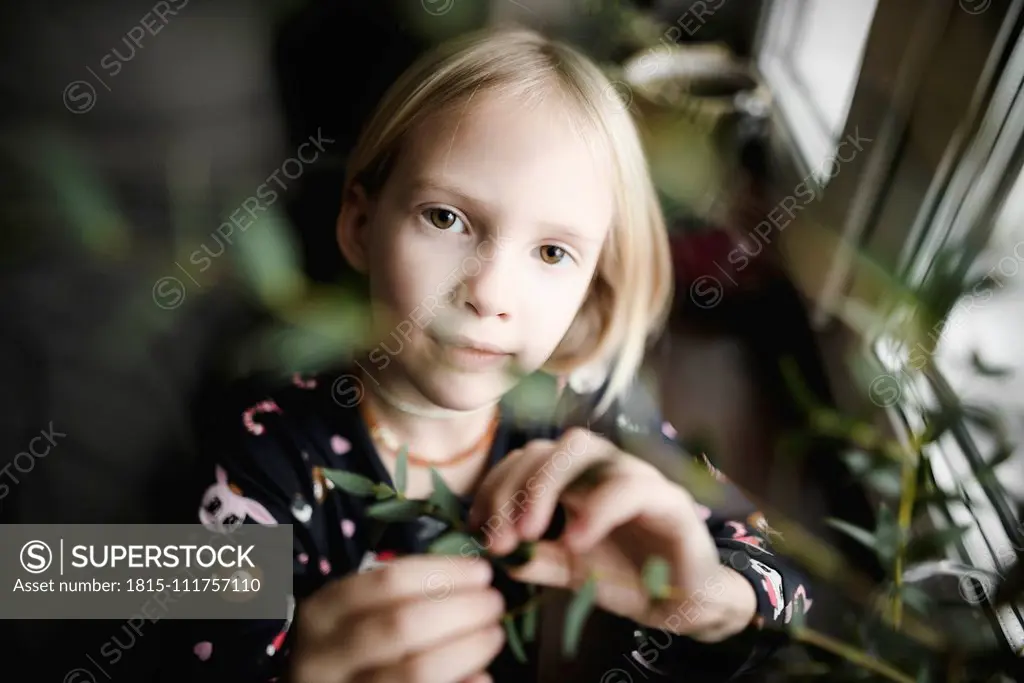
pixel 632 288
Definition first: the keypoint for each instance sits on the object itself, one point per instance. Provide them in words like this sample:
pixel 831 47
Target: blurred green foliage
pixel 898 631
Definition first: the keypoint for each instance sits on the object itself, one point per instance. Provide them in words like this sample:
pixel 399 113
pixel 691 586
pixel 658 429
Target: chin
pixel 459 390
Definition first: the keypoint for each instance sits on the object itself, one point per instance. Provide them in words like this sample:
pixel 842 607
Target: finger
pixel 499 502
pixel 450 662
pixel 403 579
pixel 480 511
pixel 551 565
pixel 386 637
pixel 575 453
pixel 620 499
pixel 482 677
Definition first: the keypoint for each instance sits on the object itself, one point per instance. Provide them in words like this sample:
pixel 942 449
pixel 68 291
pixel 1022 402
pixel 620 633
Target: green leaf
pixel 986 473
pixel 795 383
pixel 937 423
pixel 827 421
pixel 384 492
pixel 451 543
pixel 859 462
pixel 987 419
pixel 534 397
pixel 350 482
pixel 270 262
pixel 887 534
pixel 530 618
pixel 939 497
pixel 514 641
pixel 886 482
pixel 1001 455
pixel 930 545
pixel 443 497
pixel 576 616
pixel 396 510
pixel 987 370
pixel 402 469
pixel 878 472
pixel 916 598
pixel 855 532
pixel 88 207
pixel 865 435
pixel 656 577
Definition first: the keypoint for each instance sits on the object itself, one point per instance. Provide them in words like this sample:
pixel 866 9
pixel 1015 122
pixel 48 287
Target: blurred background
pixel 843 184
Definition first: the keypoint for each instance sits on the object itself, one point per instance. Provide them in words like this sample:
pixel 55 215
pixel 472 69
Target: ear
pixel 259 513
pixel 222 476
pixel 351 227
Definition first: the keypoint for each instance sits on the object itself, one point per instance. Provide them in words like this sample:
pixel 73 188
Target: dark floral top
pixel 264 462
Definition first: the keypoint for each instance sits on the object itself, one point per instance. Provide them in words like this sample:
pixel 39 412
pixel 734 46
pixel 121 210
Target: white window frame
pixel 815 137
pixel 959 202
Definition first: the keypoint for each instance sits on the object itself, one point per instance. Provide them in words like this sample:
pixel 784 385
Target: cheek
pixel 551 309
pixel 409 271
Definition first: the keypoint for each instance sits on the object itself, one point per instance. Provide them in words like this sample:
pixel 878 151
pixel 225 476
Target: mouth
pixel 483 348
pixel 469 354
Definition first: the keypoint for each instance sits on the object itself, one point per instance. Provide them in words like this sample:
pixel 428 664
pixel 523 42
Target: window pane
pixel 827 54
pixel 810 57
pixel 992 326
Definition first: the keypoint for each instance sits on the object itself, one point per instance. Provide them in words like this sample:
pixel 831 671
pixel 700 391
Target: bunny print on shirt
pixel 224 508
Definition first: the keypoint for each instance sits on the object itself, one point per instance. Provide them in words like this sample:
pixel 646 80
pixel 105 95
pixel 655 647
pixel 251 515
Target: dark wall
pixel 113 168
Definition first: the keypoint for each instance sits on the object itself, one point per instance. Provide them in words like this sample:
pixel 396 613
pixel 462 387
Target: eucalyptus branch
pixel 394 506
pixel 907 497
pixel 851 654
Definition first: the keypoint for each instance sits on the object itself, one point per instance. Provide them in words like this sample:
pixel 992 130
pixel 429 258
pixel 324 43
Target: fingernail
pixel 530 527
pixel 483 571
pixel 507 543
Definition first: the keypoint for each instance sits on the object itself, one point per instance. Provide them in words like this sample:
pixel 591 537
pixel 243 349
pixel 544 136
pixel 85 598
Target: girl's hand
pixel 620 514
pixel 423 619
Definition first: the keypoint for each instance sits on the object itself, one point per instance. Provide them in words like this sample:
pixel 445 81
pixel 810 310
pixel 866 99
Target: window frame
pixel 905 228
pixel 807 125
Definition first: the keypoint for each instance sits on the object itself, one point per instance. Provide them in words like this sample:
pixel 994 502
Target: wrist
pixel 730 610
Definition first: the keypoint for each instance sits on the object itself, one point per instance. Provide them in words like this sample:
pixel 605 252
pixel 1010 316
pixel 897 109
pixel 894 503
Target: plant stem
pixel 801 634
pixel 820 640
pixel 824 561
pixel 532 603
pixel 437 513
pixel 908 493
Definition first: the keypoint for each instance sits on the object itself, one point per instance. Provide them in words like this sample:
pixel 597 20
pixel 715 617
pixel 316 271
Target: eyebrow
pixel 559 229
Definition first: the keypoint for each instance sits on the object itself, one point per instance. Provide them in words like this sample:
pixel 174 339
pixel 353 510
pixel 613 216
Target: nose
pixel 487 287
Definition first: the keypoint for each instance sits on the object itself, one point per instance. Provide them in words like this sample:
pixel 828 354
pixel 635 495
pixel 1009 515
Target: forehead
pixel 516 155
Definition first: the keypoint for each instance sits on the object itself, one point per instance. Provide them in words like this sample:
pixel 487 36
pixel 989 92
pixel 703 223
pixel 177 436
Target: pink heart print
pixel 203 650
pixel 340 445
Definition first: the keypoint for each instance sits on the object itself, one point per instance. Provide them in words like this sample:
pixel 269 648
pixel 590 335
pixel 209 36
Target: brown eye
pixel 442 219
pixel 551 254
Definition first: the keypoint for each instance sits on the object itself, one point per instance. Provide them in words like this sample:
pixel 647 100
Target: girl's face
pixel 485 236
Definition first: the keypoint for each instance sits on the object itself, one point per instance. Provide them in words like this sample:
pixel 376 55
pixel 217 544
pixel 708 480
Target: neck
pixel 429 430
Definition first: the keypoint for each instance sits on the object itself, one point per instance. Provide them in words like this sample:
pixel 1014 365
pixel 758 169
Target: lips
pixel 479 347
pixel 469 354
